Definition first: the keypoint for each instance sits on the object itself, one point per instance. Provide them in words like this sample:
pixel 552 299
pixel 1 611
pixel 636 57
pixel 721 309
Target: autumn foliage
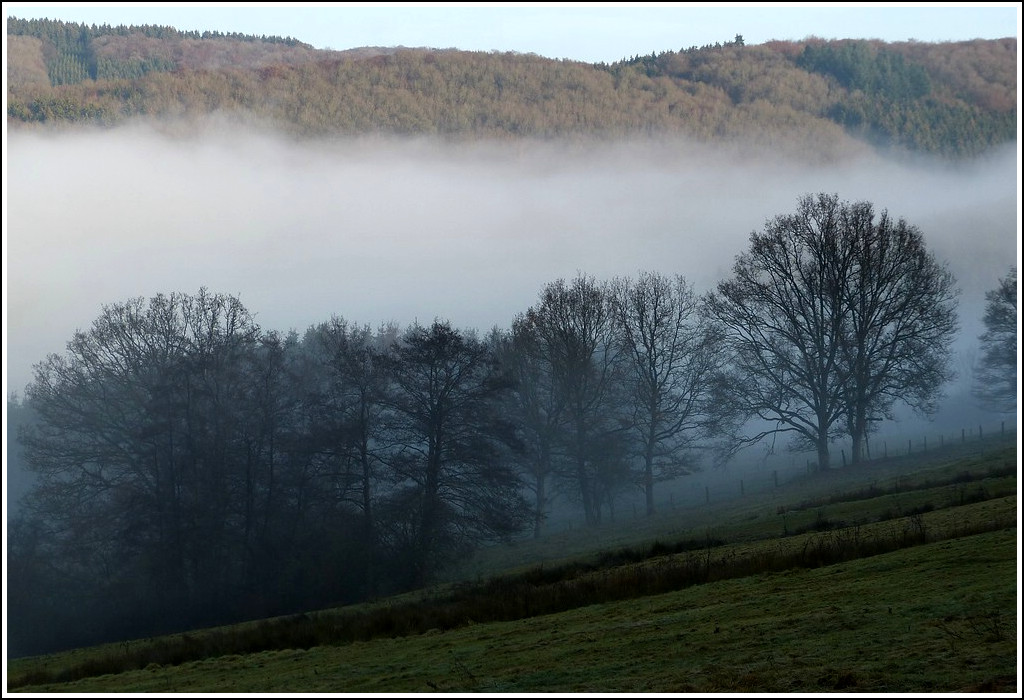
pixel 812 97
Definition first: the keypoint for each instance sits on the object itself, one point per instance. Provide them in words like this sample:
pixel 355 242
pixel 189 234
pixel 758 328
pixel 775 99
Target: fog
pixel 377 230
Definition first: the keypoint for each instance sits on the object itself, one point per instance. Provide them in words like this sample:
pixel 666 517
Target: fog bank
pixel 402 231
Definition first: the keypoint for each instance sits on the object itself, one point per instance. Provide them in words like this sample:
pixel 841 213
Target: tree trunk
pixel 591 513
pixel 649 478
pixel 857 446
pixel 824 460
pixel 429 522
pixel 369 536
pixel 588 495
pixel 858 429
pixel 541 503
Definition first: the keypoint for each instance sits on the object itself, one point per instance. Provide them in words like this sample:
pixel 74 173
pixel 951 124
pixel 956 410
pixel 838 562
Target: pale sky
pixel 590 32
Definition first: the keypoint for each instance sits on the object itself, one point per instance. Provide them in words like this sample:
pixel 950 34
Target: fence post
pixel 844 458
pixel 979 432
pixel 909 445
pixel 885 449
pixel 963 435
pixel 925 443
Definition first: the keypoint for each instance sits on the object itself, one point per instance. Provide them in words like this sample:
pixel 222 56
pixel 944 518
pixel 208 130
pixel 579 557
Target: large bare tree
pixel 141 443
pixel 833 317
pixel 899 318
pixel 346 415
pixel 782 314
pixel 536 408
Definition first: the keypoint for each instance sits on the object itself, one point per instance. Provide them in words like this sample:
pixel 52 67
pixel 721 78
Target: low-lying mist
pixel 390 230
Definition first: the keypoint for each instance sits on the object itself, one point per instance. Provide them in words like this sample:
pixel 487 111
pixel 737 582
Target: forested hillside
pixel 816 97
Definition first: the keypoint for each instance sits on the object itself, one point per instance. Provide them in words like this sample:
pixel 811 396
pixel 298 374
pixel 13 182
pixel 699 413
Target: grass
pixel 854 602
pixel 907 621
pixel 760 515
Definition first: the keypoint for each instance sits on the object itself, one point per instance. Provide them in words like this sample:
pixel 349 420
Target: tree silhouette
pixel 899 318
pixel 448 435
pixel 833 318
pixel 996 374
pixel 574 328
pixel 672 351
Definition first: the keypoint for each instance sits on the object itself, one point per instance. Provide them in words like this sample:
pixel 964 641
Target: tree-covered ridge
pixel 57 31
pixel 72 36
pixel 813 96
pixel 954 98
pixel 74 53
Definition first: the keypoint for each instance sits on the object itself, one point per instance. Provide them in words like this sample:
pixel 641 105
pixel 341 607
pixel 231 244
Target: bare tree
pixel 268 406
pixel 834 317
pixel 672 351
pixel 137 447
pixel 456 489
pixel 575 331
pixel 536 409
pixel 783 314
pixel 899 319
pixel 347 421
pixel 995 378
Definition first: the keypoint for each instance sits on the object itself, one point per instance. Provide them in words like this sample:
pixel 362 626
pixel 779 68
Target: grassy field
pixel 895 486
pixel 901 582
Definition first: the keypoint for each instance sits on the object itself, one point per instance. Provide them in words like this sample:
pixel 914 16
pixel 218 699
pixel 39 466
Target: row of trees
pixel 196 468
pixel 71 37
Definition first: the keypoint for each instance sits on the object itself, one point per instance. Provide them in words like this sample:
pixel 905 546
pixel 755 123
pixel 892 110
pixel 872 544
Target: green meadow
pixel 900 577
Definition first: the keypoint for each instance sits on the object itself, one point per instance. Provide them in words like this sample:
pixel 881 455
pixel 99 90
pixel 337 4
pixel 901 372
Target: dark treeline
pixel 192 468
pixel 816 97
pixel 75 38
pixel 71 55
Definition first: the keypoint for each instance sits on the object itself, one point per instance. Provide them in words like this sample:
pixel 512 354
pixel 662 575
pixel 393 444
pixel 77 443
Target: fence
pixel 705 488
pixel 694 490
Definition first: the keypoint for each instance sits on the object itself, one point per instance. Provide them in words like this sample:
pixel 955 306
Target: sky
pixel 589 32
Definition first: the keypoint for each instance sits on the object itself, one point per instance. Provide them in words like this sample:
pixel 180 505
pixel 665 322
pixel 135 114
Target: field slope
pixel 908 590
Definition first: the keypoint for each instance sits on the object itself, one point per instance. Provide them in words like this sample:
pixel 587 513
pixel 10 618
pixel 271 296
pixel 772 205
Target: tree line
pixel 193 468
pixel 953 99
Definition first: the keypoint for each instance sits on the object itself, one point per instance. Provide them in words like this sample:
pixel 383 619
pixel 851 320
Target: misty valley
pixel 190 468
pixel 416 370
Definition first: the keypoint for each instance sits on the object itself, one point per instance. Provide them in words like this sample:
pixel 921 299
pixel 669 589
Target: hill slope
pixel 817 611
pixel 814 97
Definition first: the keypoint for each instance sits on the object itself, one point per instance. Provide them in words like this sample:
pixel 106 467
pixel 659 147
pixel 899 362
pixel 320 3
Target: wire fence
pixel 878 453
